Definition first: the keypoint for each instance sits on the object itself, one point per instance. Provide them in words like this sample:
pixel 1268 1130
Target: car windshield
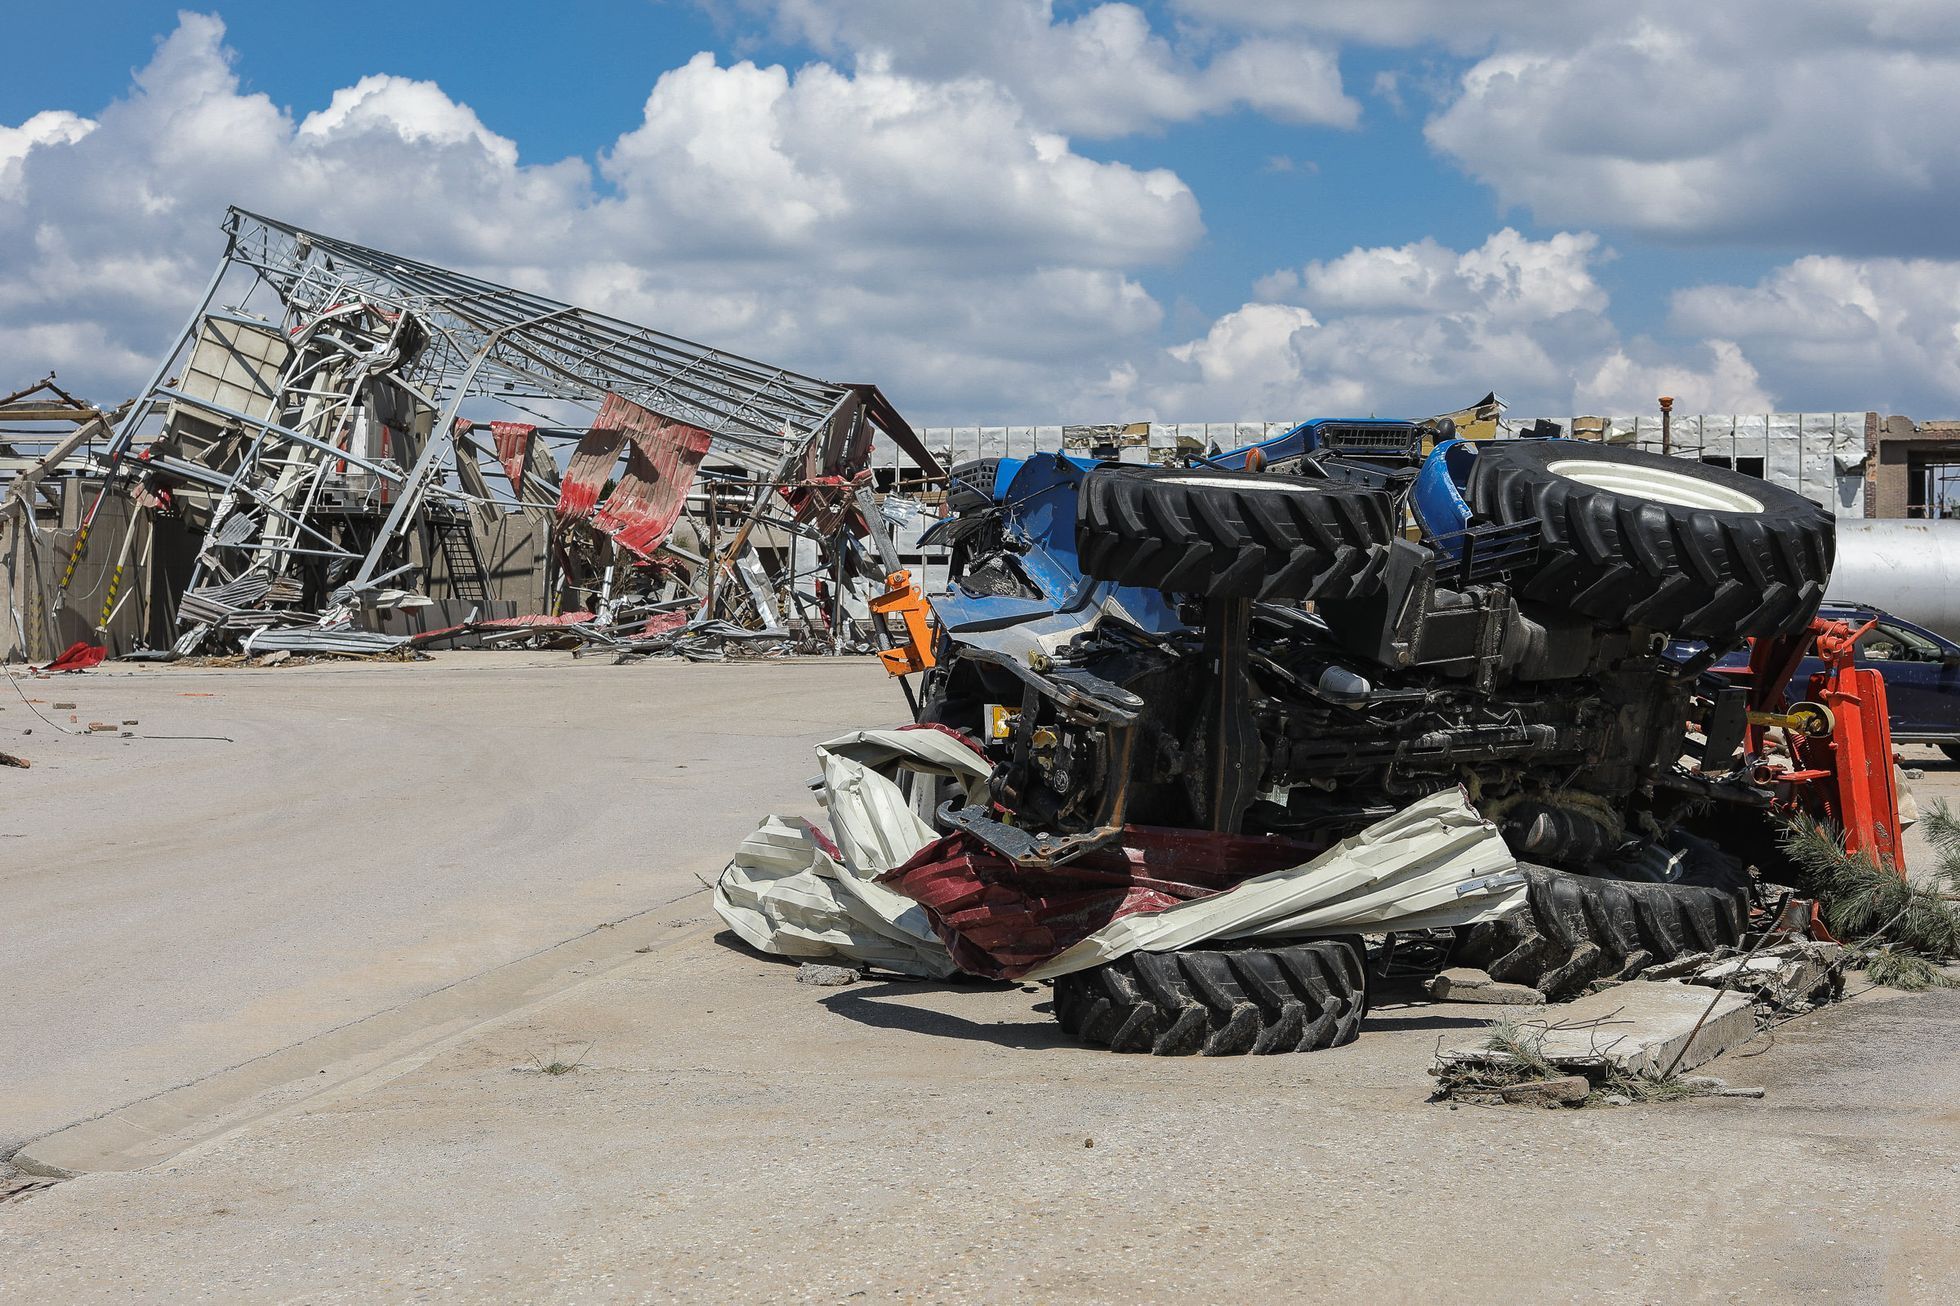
pixel 1886 642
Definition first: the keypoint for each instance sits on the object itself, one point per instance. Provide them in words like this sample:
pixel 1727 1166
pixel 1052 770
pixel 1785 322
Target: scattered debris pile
pixel 346 449
pixel 1600 1052
pixel 883 887
pixel 1787 979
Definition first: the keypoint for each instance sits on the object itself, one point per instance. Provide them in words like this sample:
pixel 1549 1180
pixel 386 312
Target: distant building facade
pixel 1857 464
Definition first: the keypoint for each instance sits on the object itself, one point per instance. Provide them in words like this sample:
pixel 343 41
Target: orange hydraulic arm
pixel 903 600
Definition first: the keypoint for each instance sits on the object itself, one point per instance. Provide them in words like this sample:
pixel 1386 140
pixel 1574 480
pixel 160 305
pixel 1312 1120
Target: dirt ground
pixel 724 1132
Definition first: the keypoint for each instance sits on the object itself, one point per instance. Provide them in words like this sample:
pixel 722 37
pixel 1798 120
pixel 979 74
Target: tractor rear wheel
pixel 1220 534
pixel 1574 929
pixel 1638 539
pixel 1219 1003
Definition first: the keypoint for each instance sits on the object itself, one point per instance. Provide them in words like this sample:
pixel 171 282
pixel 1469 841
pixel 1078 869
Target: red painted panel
pixel 585 475
pixel 1001 920
pixel 661 462
pixel 514 449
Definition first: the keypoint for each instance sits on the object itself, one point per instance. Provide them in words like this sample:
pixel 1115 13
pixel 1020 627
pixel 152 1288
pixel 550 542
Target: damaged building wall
pixel 515 548
pixel 1819 455
pixel 108 598
pixel 1914 470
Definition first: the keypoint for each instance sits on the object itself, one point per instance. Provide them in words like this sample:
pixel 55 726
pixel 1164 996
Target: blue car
pixel 1921 671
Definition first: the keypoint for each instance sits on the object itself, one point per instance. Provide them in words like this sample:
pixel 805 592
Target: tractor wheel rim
pixel 1249 482
pixel 1657 484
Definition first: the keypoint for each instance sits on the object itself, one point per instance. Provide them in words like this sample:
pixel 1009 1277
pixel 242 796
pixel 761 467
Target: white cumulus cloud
pixel 928 235
pixel 833 166
pixel 412 111
pixel 49 127
pixel 914 210
pixel 1793 122
pixel 1632 382
pixel 1453 24
pixel 1422 328
pixel 1104 72
pixel 1884 332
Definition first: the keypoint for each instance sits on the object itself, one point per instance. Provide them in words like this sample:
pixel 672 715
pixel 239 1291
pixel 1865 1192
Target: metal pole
pixel 714 531
pixel 1233 731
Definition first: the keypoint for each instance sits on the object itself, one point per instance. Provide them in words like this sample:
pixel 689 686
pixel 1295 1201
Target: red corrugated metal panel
pixel 585 475
pixel 660 466
pixel 1001 920
pixel 514 449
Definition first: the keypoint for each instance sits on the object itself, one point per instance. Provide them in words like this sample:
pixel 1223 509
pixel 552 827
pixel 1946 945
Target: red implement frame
pixel 1844 774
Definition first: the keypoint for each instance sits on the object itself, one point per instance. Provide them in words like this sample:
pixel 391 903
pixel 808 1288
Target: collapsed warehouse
pixel 348 450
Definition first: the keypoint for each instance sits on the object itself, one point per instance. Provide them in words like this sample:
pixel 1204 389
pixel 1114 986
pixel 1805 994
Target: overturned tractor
pixel 1238 731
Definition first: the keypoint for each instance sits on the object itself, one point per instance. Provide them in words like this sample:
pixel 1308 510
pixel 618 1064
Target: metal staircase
pixel 455 543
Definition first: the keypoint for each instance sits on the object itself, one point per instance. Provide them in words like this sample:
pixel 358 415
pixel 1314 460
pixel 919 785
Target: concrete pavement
pixel 370 834
pixel 729 1134
pixel 357 996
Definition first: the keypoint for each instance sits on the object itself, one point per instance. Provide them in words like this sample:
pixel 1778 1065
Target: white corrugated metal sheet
pixel 1435 863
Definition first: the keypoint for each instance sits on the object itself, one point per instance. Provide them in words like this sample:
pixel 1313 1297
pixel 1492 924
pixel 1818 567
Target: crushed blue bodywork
pixel 1034 500
pixel 1437 498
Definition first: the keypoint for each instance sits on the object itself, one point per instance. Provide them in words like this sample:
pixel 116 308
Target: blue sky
pixel 1010 210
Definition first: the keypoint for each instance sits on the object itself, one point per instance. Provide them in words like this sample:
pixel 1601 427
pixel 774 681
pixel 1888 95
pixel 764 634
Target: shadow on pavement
pixel 866 1004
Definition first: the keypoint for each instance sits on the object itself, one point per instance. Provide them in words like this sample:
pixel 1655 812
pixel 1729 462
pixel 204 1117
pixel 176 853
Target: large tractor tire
pixel 1220 534
pixel 1639 539
pixel 1220 1003
pixel 1574 929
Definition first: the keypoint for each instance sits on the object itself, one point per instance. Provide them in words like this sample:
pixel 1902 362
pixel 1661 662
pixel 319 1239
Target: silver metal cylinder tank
pixel 1909 568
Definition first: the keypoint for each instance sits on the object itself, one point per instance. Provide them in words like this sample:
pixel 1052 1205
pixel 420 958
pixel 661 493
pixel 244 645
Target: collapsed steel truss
pixel 318 427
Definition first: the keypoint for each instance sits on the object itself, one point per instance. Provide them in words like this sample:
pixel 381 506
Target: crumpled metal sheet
pixel 318 639
pixel 786 894
pixel 661 462
pixel 793 891
pixel 586 472
pixel 514 449
pixel 1433 864
pixel 876 825
pixel 820 504
pixel 660 465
